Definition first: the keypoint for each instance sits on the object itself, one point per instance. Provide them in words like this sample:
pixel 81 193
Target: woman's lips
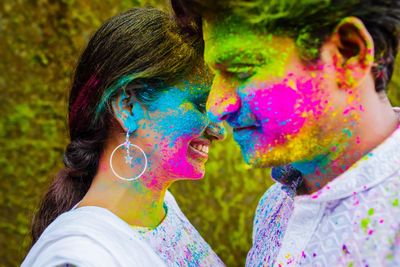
pixel 199 147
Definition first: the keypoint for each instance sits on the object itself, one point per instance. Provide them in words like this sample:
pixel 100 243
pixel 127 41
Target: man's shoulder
pixel 274 194
pixel 272 199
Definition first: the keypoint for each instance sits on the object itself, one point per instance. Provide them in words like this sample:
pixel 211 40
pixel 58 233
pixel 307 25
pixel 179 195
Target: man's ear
pixel 354 52
pixel 123 109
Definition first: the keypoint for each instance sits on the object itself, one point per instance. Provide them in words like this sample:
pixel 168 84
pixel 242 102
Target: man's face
pixel 281 109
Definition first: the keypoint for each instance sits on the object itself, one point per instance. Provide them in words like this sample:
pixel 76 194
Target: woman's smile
pixel 198 148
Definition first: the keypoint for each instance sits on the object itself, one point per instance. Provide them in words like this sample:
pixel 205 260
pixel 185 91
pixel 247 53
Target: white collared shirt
pixel 353 221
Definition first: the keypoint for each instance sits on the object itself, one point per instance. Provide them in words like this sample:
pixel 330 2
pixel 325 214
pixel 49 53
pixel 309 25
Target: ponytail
pixel 71 183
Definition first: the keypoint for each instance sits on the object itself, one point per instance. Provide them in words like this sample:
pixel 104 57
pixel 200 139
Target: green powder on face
pixel 348 132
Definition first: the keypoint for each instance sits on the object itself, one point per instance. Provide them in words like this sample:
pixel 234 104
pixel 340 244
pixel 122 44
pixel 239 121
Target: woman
pixel 137 124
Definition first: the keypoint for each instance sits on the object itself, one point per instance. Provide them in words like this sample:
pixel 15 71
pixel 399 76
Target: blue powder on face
pixel 178 114
pixel 308 167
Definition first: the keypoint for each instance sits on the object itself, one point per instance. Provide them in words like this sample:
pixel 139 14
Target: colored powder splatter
pixel 345 250
pixel 171 105
pixel 347 132
pixel 364 223
pixel 371 212
pixel 303 255
pixel 280 109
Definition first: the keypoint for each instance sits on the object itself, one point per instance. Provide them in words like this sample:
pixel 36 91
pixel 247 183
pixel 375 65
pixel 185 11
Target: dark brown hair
pixel 309 23
pixel 141 49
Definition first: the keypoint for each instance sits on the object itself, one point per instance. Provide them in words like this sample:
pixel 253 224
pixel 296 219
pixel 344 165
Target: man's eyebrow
pixel 240 57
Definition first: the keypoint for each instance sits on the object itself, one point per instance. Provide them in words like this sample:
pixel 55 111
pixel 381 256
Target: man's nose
pixel 222 101
pixel 216 131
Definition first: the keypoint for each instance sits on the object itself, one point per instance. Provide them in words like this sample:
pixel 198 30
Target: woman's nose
pixel 222 101
pixel 216 131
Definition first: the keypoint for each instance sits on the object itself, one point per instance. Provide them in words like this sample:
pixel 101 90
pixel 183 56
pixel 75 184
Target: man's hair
pixel 309 23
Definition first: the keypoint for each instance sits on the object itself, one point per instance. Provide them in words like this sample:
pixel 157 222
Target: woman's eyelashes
pixel 200 102
pixel 201 105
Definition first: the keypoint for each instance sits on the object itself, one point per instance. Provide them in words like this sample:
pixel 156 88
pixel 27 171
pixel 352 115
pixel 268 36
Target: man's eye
pixel 244 75
pixel 241 73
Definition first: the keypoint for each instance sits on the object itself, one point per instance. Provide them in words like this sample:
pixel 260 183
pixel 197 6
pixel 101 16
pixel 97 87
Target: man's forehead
pixel 229 38
pixel 228 26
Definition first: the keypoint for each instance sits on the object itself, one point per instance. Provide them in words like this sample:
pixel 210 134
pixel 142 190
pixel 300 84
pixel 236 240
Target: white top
pixel 352 221
pixel 95 237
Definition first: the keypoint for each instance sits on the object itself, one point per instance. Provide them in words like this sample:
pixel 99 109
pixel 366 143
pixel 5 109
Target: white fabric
pixel 352 221
pixel 91 236
pixel 177 242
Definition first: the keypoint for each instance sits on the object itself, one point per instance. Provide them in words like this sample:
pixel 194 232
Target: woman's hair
pixel 142 50
pixel 309 22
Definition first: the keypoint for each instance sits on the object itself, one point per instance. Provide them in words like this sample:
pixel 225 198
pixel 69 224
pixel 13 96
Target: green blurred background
pixel 40 41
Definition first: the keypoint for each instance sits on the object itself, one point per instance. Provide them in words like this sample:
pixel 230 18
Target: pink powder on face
pixel 175 160
pixel 281 108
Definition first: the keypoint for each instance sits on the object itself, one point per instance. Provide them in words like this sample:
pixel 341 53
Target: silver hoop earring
pixel 128 158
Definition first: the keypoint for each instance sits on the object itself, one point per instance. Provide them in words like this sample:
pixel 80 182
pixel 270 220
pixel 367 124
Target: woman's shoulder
pixel 75 250
pixel 90 236
pixel 170 199
pixel 173 206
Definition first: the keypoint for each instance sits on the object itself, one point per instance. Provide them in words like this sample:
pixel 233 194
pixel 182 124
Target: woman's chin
pixel 194 173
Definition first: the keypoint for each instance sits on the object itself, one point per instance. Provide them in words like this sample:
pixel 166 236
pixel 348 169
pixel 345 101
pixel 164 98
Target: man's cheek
pixel 279 108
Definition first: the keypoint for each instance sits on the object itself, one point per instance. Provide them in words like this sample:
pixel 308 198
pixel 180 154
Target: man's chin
pixel 260 162
pixel 266 159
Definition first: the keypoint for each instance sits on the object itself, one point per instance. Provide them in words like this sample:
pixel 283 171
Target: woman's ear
pixel 353 51
pixel 127 111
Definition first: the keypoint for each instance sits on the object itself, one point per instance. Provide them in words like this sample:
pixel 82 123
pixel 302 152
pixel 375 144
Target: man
pixel 303 83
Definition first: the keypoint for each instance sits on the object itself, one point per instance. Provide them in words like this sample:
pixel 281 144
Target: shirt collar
pixel 370 170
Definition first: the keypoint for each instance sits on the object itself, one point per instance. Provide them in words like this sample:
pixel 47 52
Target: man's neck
pixel 374 126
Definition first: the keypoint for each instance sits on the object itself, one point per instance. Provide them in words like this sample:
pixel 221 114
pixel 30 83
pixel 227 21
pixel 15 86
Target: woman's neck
pixel 135 202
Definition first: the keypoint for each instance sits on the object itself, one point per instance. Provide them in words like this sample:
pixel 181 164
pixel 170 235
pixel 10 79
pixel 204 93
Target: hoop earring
pixel 128 158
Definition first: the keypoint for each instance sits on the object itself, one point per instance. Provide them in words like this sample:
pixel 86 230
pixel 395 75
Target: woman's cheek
pixel 174 158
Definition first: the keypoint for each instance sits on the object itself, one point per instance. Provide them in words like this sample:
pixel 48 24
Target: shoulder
pixel 170 199
pixel 273 195
pixel 173 205
pixel 271 199
pixel 68 239
pixel 75 250
pixel 90 236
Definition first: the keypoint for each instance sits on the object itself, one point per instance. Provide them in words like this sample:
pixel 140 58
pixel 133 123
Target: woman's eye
pixel 202 107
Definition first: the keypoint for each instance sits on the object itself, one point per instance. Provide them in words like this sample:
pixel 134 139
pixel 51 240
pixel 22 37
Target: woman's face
pixel 175 133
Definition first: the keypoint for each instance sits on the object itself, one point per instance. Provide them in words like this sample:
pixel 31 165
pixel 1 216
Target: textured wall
pixel 40 40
